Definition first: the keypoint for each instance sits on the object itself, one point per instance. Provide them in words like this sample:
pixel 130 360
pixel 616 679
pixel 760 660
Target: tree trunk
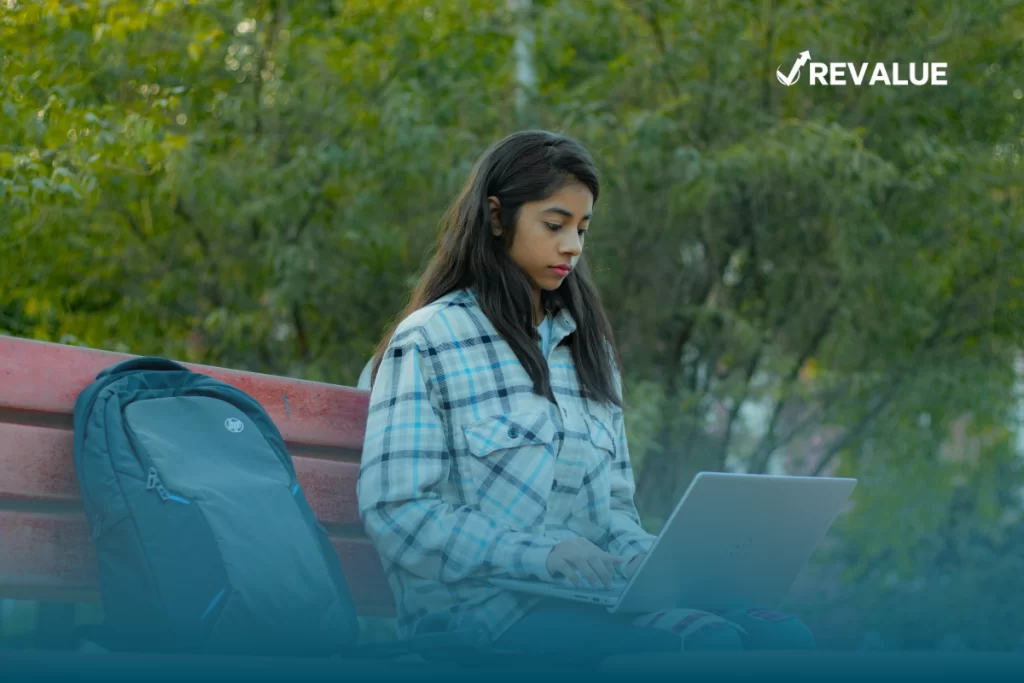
pixel 666 474
pixel 526 72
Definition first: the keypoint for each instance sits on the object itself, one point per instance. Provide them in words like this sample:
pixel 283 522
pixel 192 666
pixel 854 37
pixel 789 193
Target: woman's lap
pixel 565 629
pixel 766 629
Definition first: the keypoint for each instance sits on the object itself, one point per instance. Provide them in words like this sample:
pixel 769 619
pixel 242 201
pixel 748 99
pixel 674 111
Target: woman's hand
pixel 579 554
pixel 630 569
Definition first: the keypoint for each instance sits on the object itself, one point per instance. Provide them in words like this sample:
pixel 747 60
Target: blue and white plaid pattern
pixel 467 474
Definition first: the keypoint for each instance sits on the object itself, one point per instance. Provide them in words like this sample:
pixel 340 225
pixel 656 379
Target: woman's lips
pixel 562 270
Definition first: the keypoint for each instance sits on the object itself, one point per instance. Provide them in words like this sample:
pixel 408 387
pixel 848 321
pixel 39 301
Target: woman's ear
pixel 495 207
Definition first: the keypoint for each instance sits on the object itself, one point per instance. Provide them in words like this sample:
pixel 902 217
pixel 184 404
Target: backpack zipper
pixel 153 482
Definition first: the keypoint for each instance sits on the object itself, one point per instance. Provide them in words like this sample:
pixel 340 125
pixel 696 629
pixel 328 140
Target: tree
pixel 804 279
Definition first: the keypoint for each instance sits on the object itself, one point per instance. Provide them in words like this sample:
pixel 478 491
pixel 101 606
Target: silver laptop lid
pixel 736 540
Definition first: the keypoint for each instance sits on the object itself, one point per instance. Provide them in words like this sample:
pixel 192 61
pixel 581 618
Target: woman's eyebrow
pixel 564 212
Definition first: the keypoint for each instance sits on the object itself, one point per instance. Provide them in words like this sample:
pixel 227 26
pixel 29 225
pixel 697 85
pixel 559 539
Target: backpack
pixel 204 539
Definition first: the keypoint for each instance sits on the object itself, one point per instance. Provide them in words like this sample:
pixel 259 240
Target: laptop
pixel 733 540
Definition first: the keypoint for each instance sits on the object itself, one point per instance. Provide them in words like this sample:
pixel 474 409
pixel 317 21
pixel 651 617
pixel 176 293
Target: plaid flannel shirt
pixel 467 474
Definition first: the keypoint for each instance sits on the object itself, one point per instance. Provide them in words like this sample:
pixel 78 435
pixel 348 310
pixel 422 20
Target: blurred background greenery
pixel 811 280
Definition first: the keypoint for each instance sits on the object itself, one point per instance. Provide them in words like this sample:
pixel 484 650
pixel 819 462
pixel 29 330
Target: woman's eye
pixel 583 233
pixel 553 226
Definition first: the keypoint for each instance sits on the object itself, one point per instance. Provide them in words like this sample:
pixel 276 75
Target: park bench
pixel 46 553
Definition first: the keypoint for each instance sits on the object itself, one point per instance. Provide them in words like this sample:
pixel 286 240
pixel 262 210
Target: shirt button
pixel 513 433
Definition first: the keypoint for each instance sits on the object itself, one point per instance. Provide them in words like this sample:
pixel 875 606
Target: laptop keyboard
pixel 617 586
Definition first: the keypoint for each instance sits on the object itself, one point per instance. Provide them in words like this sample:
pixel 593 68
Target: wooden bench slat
pixel 50 549
pixel 44 554
pixel 46 377
pixel 37 463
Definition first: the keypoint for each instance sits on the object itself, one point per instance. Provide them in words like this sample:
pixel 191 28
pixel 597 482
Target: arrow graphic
pixel 794 73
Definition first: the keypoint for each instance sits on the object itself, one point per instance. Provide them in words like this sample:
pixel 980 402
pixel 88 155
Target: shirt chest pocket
pixel 600 431
pixel 596 457
pixel 512 463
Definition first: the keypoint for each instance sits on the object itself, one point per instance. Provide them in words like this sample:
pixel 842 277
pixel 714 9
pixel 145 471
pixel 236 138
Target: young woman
pixel 495 444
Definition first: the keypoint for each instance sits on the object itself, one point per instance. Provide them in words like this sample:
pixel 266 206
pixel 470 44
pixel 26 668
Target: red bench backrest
pixel 45 549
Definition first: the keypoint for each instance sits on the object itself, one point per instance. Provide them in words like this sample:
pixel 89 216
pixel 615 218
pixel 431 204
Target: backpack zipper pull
pixel 153 482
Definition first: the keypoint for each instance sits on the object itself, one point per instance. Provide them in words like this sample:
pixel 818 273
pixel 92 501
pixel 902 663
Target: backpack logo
pixel 233 424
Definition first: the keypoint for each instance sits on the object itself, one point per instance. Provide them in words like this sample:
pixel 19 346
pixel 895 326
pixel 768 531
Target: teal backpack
pixel 204 539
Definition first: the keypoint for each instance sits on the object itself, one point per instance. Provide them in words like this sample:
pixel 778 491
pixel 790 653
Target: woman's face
pixel 549 235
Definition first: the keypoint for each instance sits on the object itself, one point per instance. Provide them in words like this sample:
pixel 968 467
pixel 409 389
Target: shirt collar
pixel 563 323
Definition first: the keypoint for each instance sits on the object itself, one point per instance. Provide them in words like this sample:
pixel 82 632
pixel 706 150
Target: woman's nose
pixel 572 245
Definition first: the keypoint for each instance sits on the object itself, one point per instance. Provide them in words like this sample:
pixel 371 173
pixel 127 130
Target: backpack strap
pixel 143 363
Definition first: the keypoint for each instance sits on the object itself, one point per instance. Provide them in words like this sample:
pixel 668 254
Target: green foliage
pixel 797 276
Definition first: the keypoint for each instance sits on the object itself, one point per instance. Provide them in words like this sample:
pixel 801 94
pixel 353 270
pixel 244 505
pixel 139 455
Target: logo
pixel 794 73
pixel 233 424
pixel 837 73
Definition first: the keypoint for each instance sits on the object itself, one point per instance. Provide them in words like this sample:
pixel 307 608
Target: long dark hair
pixel 524 167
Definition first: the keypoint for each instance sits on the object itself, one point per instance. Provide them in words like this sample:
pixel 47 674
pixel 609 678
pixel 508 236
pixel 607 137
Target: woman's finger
pixel 611 569
pixel 601 569
pixel 611 562
pixel 583 565
pixel 566 569
pixel 614 559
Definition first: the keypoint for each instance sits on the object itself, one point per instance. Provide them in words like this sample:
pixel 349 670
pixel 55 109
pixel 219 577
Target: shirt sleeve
pixel 626 537
pixel 406 460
